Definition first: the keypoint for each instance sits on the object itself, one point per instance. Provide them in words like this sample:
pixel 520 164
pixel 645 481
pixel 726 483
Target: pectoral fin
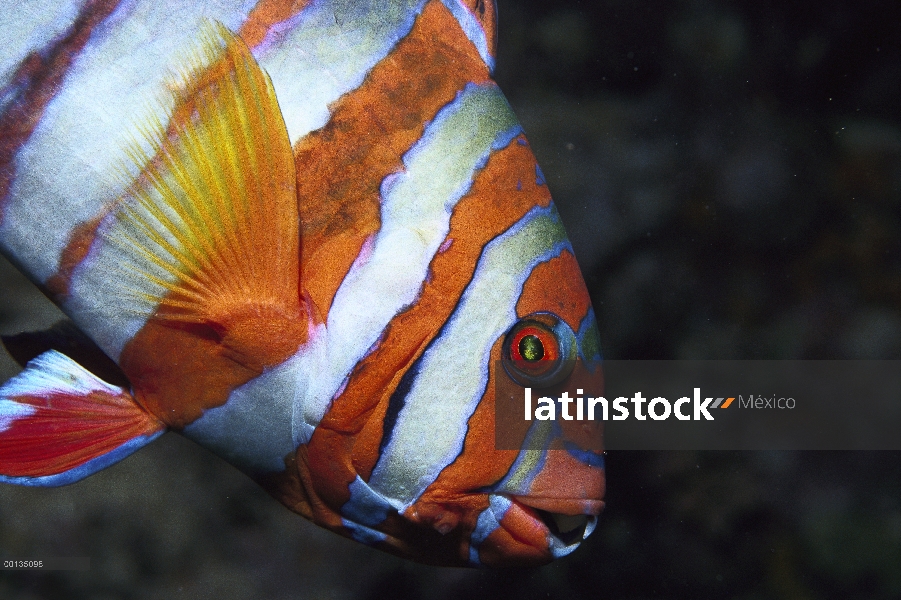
pixel 59 423
pixel 210 228
pixel 208 240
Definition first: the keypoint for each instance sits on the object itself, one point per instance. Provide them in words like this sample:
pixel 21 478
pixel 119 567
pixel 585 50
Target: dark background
pixel 730 175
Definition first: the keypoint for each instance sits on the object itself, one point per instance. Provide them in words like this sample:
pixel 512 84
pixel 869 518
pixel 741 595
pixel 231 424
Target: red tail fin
pixel 59 423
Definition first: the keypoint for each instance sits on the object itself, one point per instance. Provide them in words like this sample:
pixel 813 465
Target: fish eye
pixel 539 350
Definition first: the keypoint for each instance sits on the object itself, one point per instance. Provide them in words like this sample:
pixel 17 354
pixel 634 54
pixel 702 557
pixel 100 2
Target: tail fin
pixel 59 423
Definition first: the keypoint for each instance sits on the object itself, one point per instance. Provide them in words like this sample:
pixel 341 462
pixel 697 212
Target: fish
pixel 310 236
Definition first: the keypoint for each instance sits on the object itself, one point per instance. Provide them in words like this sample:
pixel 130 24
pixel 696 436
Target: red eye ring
pixel 539 350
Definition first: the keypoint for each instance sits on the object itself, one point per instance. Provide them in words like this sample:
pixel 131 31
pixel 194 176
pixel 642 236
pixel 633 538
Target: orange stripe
pixel 341 166
pixel 40 75
pixel 76 250
pixel 266 14
pixel 556 286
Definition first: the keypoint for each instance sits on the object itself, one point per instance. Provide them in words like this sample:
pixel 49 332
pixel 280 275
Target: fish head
pixel 415 432
pixel 438 289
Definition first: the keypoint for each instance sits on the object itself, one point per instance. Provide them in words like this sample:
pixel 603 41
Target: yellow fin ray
pixel 209 229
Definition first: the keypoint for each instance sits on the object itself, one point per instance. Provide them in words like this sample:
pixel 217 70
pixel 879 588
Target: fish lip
pixel 563 506
pixel 558 543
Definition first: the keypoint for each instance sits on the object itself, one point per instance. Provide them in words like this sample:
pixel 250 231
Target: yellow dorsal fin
pixel 209 229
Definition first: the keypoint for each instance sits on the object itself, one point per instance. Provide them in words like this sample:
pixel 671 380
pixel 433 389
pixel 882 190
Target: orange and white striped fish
pixel 304 234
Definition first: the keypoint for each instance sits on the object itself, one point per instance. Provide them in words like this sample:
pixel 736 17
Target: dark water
pixel 730 175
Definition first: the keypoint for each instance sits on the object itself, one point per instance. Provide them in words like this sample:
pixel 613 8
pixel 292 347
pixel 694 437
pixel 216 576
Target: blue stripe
pixel 472 28
pixel 488 522
pixel 588 457
pixel 366 506
pixel 588 327
pixel 364 534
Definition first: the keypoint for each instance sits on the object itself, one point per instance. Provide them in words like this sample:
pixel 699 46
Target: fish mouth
pixel 567 529
pixel 567 522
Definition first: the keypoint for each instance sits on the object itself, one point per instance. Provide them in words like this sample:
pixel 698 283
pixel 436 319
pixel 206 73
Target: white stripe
pixel 29 26
pixel 416 209
pixel 328 53
pixel 453 374
pixel 253 429
pixel 489 520
pixel 67 170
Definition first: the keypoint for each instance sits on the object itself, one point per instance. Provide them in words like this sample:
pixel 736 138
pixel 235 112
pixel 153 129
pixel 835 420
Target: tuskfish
pixel 309 235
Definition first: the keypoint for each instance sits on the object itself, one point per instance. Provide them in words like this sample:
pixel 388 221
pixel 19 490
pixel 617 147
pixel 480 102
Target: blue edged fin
pixel 59 423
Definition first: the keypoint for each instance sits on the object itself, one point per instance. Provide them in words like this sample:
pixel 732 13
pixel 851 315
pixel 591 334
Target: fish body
pixel 310 236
